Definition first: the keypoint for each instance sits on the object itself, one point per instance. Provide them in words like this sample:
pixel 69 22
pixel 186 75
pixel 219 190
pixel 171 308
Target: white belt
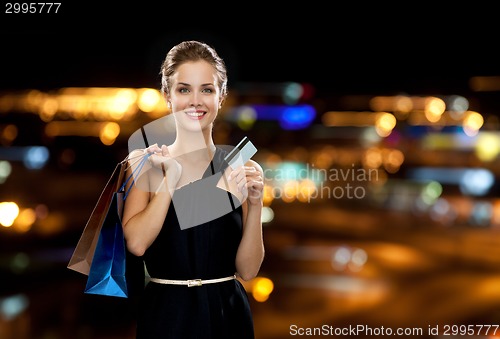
pixel 192 282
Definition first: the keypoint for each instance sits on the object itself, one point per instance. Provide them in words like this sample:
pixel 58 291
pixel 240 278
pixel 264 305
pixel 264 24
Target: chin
pixel 199 124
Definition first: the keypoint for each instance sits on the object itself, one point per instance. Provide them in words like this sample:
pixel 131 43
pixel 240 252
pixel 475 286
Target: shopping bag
pixel 108 268
pixel 107 271
pixel 84 251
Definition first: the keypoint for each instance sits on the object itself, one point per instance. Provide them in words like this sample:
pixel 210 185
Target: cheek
pixel 179 101
pixel 214 102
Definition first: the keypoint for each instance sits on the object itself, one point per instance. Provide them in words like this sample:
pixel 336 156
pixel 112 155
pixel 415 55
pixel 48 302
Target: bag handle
pixel 133 174
pixel 136 170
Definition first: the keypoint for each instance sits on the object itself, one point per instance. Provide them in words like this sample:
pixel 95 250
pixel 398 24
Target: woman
pixel 194 291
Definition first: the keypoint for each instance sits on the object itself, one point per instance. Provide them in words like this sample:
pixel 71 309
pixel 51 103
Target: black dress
pixel 206 251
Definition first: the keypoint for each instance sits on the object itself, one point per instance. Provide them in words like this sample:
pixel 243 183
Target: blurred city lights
pixel 431 192
pixel 415 147
pixel 481 214
pixel 341 257
pixel 33 157
pixel 246 117
pixel 109 132
pixel 383 122
pixel 476 182
pixel 36 157
pixel 434 109
pixel 19 262
pixel 473 181
pixel 267 214
pixel 487 146
pixel 8 134
pixel 85 103
pixel 13 306
pixel 457 105
pixel 472 122
pixel 148 99
pixel 5 170
pixel 485 83
pixel 297 117
pixel 289 117
pixel 442 211
pixel 261 288
pixel 292 93
pixel 8 213
pixel 25 220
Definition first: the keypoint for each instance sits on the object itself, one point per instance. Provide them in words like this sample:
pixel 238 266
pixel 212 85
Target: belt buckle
pixel 194 282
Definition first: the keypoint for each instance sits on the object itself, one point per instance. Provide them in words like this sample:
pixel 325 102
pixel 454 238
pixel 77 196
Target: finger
pixel 253 176
pixel 242 187
pixel 153 149
pixel 234 173
pixel 164 150
pixel 241 177
pixel 153 159
pixel 255 185
pixel 250 169
pixel 241 184
pixel 252 183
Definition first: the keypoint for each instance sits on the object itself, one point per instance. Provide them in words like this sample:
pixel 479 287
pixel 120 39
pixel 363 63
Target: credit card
pixel 241 153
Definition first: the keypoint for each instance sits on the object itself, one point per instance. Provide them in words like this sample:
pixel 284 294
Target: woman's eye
pixel 207 90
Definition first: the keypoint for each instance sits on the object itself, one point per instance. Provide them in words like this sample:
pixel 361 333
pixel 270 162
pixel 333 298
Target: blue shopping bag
pixel 107 253
pixel 107 274
pixel 107 271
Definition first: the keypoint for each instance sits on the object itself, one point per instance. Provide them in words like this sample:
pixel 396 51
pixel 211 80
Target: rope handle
pixel 142 161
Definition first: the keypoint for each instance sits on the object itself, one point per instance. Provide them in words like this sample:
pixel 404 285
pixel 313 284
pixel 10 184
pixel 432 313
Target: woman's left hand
pixel 250 181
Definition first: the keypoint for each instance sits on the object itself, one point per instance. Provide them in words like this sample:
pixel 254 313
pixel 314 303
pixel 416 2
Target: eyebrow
pixel 186 84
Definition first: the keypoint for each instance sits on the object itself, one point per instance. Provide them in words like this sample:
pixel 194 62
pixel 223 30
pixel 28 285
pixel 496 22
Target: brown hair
pixel 188 51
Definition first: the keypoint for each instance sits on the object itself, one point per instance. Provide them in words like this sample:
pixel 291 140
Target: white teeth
pixel 195 114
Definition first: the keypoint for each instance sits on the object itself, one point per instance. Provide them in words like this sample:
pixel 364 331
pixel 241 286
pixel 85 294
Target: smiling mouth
pixel 197 114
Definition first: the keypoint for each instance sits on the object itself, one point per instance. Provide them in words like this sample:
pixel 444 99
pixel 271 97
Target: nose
pixel 195 99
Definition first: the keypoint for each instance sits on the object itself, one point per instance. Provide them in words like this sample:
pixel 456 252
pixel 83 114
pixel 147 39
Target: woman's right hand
pixel 160 158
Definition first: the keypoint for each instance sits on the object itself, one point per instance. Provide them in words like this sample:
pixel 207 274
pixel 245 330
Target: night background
pixel 410 97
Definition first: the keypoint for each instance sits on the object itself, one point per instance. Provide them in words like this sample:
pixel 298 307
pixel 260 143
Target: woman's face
pixel 195 95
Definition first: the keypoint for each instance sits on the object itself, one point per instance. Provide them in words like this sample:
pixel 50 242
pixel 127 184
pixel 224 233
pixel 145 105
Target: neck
pixel 190 141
